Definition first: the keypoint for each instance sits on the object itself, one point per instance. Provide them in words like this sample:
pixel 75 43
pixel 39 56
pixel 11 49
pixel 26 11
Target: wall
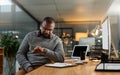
pixel 18 23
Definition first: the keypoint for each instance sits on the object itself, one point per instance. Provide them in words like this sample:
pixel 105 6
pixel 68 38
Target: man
pixel 40 47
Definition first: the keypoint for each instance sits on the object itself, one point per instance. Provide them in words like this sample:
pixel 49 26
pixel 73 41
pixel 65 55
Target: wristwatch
pixel 44 50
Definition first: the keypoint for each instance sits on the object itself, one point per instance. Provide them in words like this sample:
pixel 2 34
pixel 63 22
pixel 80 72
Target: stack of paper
pixel 60 65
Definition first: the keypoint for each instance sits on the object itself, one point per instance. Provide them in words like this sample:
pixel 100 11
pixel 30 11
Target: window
pixel 5 6
pixel 18 9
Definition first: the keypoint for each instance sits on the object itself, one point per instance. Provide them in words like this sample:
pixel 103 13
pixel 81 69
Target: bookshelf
pixel 1 60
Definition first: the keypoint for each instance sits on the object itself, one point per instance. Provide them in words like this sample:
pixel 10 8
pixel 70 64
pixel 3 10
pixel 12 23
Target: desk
pixel 85 69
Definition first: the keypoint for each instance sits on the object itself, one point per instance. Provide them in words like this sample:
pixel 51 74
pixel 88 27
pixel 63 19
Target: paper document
pixel 60 65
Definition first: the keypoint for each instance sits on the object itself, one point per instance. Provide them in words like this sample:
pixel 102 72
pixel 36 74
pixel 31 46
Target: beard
pixel 46 36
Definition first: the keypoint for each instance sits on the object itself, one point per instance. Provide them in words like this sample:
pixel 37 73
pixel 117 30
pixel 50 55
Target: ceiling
pixel 68 10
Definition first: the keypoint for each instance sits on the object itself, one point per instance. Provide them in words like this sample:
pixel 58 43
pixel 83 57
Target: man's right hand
pixel 38 49
pixel 30 69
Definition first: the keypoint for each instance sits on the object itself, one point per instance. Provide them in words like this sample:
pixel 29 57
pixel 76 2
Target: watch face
pixel 44 50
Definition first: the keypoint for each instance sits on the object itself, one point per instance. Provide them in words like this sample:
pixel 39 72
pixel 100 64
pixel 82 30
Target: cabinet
pixel 1 60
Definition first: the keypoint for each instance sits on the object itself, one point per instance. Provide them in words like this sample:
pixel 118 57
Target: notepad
pixel 60 65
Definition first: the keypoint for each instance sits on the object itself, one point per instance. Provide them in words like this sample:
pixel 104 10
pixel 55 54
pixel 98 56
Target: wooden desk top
pixel 85 69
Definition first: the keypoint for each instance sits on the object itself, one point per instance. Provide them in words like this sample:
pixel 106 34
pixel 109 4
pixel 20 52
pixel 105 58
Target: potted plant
pixel 10 44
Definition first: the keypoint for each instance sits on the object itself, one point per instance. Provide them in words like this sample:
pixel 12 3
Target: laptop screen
pixel 80 51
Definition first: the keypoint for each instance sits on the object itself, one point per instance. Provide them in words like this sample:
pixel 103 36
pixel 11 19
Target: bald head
pixel 47 26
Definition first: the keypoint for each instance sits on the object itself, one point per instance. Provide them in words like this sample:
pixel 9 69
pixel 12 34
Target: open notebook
pixel 108 67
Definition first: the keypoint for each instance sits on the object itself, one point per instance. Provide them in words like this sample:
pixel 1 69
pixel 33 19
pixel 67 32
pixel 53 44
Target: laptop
pixel 80 52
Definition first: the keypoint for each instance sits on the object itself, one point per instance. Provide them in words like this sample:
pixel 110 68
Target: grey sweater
pixel 53 47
